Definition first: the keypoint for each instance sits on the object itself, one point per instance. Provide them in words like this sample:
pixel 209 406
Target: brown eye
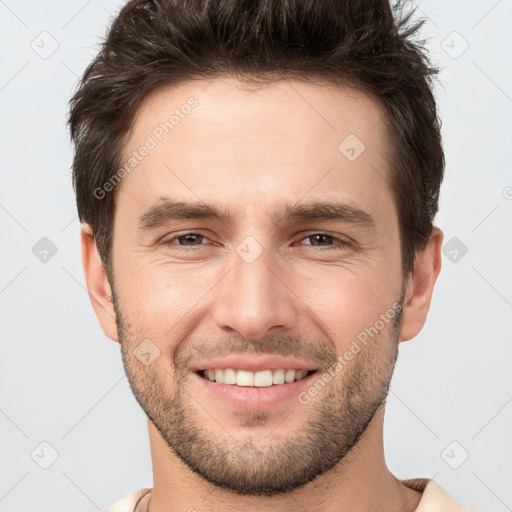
pixel 326 240
pixel 320 239
pixel 186 240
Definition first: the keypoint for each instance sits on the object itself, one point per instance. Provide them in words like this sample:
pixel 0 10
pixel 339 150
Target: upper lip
pixel 253 364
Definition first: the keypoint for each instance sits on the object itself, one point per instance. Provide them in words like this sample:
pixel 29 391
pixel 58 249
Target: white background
pixel 61 379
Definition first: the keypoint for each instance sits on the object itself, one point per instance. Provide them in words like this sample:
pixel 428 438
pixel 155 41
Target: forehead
pixel 240 143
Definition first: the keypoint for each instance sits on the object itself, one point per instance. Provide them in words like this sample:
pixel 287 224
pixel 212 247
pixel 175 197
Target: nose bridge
pixel 253 298
pixel 255 270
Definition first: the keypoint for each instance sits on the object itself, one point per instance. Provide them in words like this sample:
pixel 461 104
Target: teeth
pixel 219 376
pixel 229 376
pixel 278 377
pixel 289 376
pixel 264 378
pixel 243 378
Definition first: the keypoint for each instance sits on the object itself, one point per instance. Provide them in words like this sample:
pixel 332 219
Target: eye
pixel 188 239
pixel 324 241
pixel 321 238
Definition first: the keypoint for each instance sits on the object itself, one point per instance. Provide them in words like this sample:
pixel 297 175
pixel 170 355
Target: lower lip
pixel 247 397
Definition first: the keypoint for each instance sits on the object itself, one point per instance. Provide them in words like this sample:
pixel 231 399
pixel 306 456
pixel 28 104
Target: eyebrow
pixel 167 210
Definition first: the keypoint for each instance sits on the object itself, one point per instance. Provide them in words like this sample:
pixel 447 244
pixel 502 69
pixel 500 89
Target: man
pixel 257 183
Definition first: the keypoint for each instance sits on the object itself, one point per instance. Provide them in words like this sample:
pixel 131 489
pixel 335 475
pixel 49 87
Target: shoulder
pixel 129 502
pixel 434 496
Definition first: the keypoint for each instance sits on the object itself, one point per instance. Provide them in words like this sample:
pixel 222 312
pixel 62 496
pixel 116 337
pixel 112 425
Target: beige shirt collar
pixel 434 498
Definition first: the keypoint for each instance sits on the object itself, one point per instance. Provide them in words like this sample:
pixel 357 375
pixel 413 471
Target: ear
pixel 97 283
pixel 420 286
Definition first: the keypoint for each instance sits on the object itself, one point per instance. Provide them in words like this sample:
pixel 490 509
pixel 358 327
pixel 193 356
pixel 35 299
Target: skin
pixel 252 149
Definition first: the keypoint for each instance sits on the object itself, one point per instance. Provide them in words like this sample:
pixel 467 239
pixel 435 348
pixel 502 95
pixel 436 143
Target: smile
pixel 260 379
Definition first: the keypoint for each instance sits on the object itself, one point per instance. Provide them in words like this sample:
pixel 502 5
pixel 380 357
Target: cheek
pixel 346 300
pixel 162 301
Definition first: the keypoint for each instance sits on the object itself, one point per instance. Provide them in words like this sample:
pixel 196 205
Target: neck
pixel 361 482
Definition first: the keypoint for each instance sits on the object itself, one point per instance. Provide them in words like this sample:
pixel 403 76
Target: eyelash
pixel 343 243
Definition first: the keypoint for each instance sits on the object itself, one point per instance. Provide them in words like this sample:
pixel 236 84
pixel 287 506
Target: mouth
pixel 258 379
pixel 253 382
pixel 254 391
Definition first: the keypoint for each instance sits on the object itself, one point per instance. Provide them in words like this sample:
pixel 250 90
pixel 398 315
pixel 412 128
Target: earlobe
pixel 97 283
pixel 420 286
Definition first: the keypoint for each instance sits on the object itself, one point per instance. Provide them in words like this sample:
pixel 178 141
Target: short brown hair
pixel 365 44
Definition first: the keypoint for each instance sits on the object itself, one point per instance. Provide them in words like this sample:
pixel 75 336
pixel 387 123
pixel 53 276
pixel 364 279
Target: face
pixel 258 234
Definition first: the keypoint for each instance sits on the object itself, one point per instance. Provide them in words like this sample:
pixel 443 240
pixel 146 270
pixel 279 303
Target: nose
pixel 255 298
